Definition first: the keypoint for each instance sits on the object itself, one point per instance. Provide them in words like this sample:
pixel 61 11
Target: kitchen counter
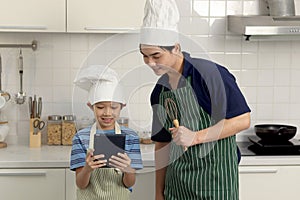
pixel 21 156
pixel 250 159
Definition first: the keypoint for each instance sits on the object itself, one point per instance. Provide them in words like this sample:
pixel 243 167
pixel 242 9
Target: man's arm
pixel 223 129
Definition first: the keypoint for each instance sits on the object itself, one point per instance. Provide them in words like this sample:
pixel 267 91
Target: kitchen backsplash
pixel 268 72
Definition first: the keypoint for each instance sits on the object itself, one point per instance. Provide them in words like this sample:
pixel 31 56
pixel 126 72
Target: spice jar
pixel 54 130
pixel 68 129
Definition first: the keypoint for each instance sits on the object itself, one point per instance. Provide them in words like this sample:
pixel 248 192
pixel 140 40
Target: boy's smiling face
pixel 107 113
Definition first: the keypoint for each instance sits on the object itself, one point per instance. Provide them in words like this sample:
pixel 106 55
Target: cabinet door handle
pixel 24 27
pixel 112 30
pixel 257 171
pixel 33 173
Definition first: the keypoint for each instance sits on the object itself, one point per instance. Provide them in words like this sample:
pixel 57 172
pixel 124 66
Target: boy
pixel 106 101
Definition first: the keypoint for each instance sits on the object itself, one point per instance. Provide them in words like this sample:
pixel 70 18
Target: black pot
pixel 275 132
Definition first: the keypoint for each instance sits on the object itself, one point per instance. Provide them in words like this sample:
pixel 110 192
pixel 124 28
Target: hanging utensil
pixel 20 97
pixel 30 107
pixel 172 112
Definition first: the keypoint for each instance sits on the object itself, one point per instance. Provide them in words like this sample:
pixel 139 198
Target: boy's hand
pixel 93 162
pixel 121 162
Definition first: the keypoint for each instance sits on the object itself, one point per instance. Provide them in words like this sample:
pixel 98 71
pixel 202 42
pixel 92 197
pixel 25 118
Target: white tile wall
pixel 267 72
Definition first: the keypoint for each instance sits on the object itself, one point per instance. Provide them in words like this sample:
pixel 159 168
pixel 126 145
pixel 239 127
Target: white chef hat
pixel 160 23
pixel 102 84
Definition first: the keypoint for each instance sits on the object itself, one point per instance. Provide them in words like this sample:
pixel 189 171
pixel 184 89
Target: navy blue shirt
pixel 214 87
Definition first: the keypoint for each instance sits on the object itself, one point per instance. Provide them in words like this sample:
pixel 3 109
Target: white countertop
pixel 270 160
pixel 21 156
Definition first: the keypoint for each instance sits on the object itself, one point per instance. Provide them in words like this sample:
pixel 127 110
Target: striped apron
pixel 207 171
pixel 105 183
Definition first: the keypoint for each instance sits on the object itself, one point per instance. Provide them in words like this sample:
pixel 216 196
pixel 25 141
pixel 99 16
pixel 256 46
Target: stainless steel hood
pixel 257 25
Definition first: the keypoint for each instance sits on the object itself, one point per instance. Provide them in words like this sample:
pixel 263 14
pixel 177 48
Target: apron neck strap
pixel 188 80
pixel 94 130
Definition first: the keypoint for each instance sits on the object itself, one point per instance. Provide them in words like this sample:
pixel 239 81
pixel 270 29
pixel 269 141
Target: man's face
pixel 160 60
pixel 107 113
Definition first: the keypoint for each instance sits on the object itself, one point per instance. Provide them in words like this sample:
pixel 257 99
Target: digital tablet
pixel 109 144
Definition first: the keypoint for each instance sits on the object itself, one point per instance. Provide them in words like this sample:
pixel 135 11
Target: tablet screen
pixel 109 144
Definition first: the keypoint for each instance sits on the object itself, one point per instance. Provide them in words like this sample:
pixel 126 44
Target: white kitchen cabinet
pixel 73 16
pixel 112 16
pixel 269 182
pixel 33 184
pixel 70 185
pixel 144 187
pixel 33 16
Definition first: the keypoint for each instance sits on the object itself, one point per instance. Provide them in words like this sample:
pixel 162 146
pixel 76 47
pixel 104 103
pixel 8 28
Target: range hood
pixel 259 25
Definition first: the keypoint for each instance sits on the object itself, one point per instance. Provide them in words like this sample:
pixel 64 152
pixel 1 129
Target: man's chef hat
pixel 160 23
pixel 101 82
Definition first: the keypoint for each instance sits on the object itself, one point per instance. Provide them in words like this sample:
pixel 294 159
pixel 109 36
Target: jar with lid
pixel 84 122
pixel 54 130
pixel 123 121
pixel 68 129
pixel 145 137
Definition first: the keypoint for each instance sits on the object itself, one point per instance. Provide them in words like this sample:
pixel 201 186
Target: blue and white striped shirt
pixel 81 144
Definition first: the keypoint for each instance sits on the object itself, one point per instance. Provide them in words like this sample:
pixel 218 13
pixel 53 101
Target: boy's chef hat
pixel 160 23
pixel 101 82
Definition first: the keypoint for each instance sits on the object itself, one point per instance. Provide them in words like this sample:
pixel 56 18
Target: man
pixel 196 159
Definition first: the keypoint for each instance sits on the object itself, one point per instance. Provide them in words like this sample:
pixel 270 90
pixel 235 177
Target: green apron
pixel 105 183
pixel 207 171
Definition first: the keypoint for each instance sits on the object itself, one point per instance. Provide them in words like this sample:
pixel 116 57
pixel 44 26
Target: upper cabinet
pixel 33 16
pixel 74 16
pixel 103 16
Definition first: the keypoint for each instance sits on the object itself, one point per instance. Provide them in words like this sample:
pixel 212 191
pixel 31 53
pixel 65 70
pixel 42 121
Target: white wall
pixel 268 72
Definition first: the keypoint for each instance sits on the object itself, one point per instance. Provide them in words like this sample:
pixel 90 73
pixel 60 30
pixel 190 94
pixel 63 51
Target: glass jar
pixel 123 121
pixel 145 137
pixel 68 129
pixel 84 122
pixel 54 130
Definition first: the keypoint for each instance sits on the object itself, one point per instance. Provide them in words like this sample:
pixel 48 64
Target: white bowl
pixel 4 129
pixel 2 101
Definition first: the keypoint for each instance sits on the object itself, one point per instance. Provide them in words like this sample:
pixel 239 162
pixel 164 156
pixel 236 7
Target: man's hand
pixel 183 136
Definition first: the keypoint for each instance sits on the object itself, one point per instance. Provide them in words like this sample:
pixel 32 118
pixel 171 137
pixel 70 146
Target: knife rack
pixel 35 139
